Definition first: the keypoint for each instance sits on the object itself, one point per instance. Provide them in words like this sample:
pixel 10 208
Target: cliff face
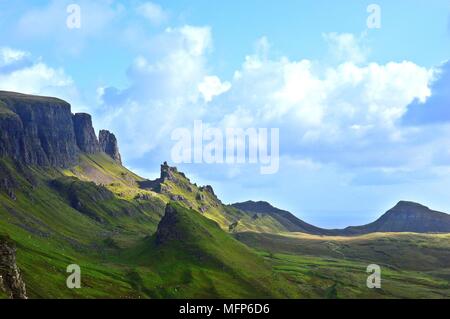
pixel 36 130
pixel 42 131
pixel 84 133
pixel 11 281
pixel 108 144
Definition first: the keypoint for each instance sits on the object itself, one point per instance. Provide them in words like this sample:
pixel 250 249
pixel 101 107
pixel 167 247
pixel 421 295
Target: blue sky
pixel 363 113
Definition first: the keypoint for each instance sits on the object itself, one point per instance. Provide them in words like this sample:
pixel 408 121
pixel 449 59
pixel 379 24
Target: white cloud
pixel 212 86
pixel 341 97
pixel 153 12
pixel 326 114
pixel 34 77
pixel 164 90
pixel 9 56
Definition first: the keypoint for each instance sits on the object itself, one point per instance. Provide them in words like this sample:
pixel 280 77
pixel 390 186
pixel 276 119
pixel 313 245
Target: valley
pixel 66 198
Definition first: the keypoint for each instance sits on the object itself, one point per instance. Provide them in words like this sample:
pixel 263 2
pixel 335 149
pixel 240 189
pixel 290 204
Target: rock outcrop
pixel 167 173
pixel 208 189
pixel 109 145
pixel 167 230
pixel 11 281
pixel 84 133
pixel 37 130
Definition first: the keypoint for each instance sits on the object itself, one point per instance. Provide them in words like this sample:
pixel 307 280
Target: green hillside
pixel 42 218
pixel 61 217
pixel 116 227
pixel 191 257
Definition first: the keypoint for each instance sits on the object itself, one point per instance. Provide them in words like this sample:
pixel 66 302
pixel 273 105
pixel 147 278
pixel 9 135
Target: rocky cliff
pixel 109 145
pixel 36 130
pixel 43 131
pixel 84 133
pixel 11 282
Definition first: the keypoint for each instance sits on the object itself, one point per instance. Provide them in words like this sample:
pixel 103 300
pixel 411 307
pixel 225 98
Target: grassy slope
pixel 50 235
pixel 110 237
pixel 204 261
pixel 413 265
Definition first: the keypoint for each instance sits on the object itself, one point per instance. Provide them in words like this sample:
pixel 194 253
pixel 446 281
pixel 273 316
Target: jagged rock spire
pixel 109 145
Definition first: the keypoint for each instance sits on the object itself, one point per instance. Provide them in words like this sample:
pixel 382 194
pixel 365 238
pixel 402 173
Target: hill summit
pixel 407 217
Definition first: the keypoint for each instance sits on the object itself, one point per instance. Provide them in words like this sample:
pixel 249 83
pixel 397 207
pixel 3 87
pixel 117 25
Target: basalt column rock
pixel 11 281
pixel 85 134
pixel 108 144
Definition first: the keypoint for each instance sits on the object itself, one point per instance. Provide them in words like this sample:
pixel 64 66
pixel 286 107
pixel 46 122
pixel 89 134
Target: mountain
pixel 406 217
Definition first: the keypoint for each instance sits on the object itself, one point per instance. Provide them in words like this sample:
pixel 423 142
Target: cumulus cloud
pixel 436 110
pixel 339 102
pixel 346 115
pixel 167 87
pixel 212 86
pixel 20 73
pixel 343 114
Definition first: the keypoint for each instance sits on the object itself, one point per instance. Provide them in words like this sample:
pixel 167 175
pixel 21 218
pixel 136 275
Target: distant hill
pixel 285 218
pixel 406 217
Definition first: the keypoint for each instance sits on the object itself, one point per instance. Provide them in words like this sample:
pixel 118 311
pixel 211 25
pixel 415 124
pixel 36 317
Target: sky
pixel 363 112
